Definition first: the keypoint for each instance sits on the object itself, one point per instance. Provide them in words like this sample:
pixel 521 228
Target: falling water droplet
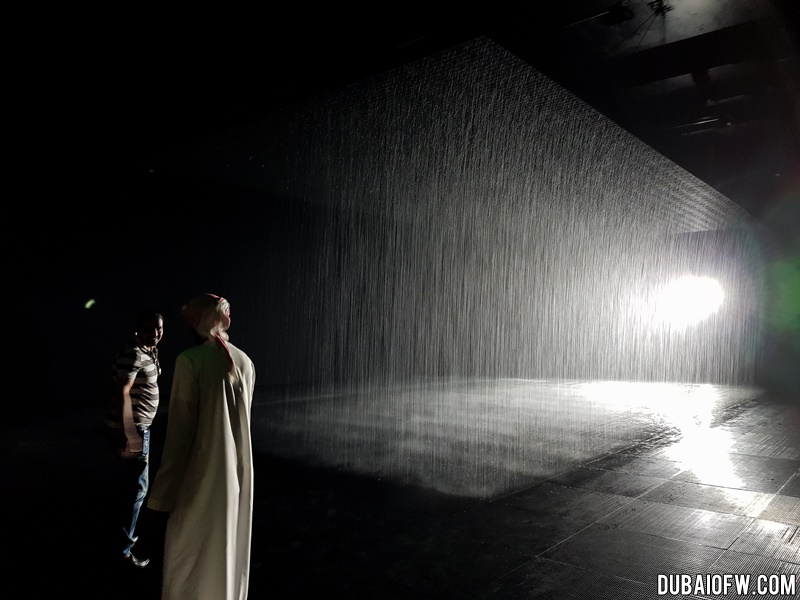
pixel 477 245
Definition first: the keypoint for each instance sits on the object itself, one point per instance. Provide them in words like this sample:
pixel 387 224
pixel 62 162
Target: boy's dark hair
pixel 148 315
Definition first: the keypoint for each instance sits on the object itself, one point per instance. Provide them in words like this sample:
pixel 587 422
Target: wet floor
pixel 479 489
pixel 485 438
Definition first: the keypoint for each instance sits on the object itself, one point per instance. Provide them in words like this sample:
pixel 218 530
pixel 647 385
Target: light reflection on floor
pixel 483 438
pixel 691 409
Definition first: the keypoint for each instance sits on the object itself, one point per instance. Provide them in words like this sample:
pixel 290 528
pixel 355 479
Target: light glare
pixel 689 300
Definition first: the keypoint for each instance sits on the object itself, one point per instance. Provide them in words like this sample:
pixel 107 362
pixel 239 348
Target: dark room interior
pixel 522 290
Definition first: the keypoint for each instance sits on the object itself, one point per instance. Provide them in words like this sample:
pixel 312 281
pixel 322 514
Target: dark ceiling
pixel 713 85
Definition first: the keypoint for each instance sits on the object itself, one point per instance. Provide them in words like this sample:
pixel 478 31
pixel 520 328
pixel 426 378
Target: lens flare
pixel 688 300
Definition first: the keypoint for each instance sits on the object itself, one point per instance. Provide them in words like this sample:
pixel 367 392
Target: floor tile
pixel 632 555
pixel 611 482
pixel 680 523
pixel 645 466
pixel 770 539
pixel 764 573
pixel 524 531
pixel 783 509
pixel 754 473
pixel 707 497
pixel 563 501
pixel 792 487
pixel 550 579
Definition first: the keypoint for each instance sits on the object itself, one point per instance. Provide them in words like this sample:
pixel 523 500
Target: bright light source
pixel 688 300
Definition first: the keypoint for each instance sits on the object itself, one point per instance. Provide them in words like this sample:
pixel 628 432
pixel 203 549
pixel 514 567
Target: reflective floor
pixel 473 489
pixel 485 438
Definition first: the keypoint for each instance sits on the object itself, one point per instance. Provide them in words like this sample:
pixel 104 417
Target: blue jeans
pixel 134 482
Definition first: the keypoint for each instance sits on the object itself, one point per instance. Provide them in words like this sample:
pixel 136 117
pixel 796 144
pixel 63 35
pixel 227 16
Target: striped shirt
pixel 134 362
